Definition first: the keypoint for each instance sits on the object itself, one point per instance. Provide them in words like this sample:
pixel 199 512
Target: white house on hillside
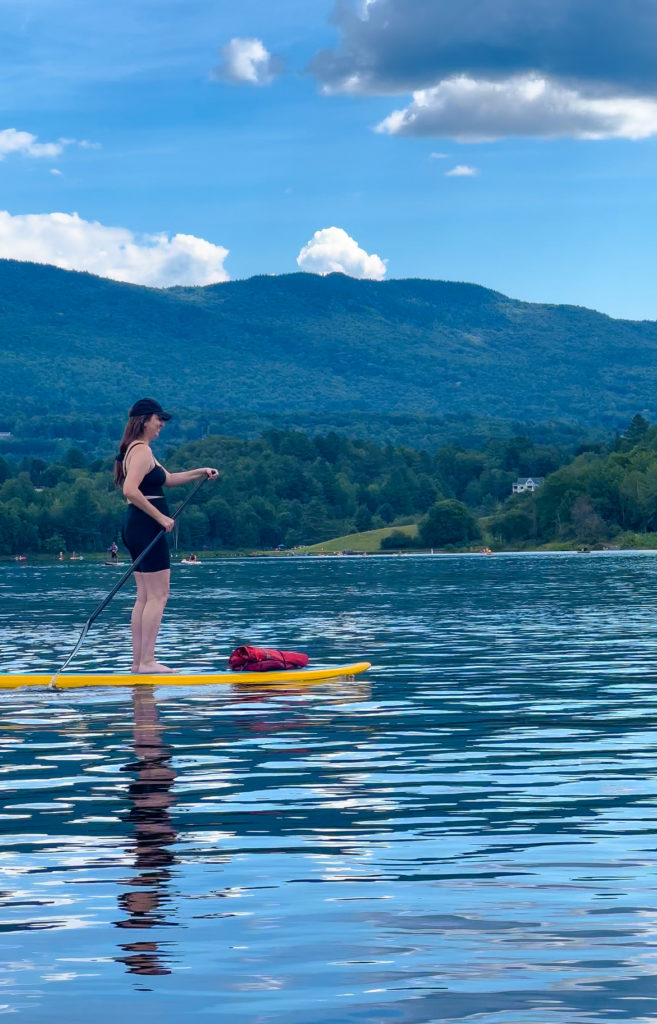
pixel 526 483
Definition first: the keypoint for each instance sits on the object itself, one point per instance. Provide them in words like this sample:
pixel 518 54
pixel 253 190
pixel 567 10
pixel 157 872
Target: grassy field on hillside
pixel 369 541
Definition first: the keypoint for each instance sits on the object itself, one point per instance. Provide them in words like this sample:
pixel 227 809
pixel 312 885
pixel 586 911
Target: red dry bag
pixel 265 659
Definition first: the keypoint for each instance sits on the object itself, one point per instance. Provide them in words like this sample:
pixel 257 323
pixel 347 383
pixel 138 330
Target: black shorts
pixel 138 531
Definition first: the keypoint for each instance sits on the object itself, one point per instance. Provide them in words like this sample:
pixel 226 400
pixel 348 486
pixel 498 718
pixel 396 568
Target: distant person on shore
pixel 142 478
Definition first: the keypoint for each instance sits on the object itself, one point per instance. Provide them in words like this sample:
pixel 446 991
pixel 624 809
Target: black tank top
pixel 152 483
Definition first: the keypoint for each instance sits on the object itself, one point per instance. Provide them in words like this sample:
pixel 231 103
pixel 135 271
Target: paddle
pixel 115 589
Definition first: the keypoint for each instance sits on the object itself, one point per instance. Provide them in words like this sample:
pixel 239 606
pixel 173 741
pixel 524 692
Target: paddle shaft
pixel 126 576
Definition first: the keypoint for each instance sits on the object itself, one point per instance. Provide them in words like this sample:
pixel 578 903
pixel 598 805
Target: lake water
pixel 465 833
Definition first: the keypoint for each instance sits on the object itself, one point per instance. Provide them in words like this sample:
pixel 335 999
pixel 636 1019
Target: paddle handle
pixel 126 576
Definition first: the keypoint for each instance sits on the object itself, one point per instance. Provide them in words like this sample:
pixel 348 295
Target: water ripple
pixel 466 833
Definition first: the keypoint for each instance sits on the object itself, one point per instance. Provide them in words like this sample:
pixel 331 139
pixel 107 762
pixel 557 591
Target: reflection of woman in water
pixel 145 903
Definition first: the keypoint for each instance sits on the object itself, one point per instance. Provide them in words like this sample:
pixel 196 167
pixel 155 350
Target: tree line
pixel 287 488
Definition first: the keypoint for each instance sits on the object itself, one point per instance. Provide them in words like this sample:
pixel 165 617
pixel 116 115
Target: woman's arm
pixel 139 463
pixel 186 477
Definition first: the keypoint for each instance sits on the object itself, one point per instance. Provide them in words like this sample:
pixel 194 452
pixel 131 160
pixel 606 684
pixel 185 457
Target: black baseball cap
pixel 149 407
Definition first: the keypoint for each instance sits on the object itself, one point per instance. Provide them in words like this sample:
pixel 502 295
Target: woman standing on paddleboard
pixel 142 478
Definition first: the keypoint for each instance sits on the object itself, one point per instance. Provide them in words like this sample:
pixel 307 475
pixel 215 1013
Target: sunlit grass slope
pixel 369 541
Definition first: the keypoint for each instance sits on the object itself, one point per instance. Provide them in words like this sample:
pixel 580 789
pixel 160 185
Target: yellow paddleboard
pixel 72 682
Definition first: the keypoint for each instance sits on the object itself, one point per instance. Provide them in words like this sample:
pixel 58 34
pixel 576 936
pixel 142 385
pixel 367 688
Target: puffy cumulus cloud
pixel 477 111
pixel 247 61
pixel 24 143
pixel 398 46
pixel 67 241
pixel 332 250
pixel 462 171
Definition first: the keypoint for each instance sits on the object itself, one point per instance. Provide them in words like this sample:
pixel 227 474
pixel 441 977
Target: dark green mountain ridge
pixel 73 343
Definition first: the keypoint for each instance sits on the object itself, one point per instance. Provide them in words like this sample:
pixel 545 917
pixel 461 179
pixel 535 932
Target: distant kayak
pixel 190 561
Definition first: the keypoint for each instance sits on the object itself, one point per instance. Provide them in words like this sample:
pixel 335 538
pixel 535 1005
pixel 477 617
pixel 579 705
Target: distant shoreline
pixel 217 556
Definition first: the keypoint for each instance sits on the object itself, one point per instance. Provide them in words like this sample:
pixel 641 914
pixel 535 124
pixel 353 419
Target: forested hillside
pixel 288 489
pixel 392 359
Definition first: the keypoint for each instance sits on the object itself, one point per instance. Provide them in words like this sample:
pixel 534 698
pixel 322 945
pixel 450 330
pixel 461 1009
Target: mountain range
pixel 323 348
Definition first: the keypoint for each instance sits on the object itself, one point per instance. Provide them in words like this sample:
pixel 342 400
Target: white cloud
pixel 471 110
pixel 67 241
pixel 56 171
pixel 247 61
pixel 595 62
pixel 12 141
pixel 332 250
pixel 462 171
pixel 438 156
pixel 26 144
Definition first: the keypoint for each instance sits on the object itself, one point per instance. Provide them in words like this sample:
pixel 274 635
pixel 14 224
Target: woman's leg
pixel 157 592
pixel 135 620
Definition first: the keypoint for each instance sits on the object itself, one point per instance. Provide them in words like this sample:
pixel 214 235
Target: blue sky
pixel 512 144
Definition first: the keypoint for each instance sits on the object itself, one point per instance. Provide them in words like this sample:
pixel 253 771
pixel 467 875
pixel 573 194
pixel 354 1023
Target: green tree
pixel 9 529
pixel 55 472
pixel 193 528
pixel 397 541
pixel 80 520
pixel 53 544
pixel 635 433
pixel 363 519
pixel 588 527
pixel 515 526
pixel 75 459
pixel 18 487
pixel 314 523
pixel 386 513
pixel 459 467
pixel 35 470
pixel 398 491
pixel 447 522
pixel 329 447
pixel 247 527
pixel 222 520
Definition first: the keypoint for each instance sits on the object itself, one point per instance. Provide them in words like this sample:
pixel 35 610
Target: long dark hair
pixel 134 430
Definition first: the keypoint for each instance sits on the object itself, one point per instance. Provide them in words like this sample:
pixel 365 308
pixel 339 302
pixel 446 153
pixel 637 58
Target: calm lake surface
pixel 465 833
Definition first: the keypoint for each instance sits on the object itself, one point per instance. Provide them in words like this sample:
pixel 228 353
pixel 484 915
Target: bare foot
pixel 134 670
pixel 152 668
